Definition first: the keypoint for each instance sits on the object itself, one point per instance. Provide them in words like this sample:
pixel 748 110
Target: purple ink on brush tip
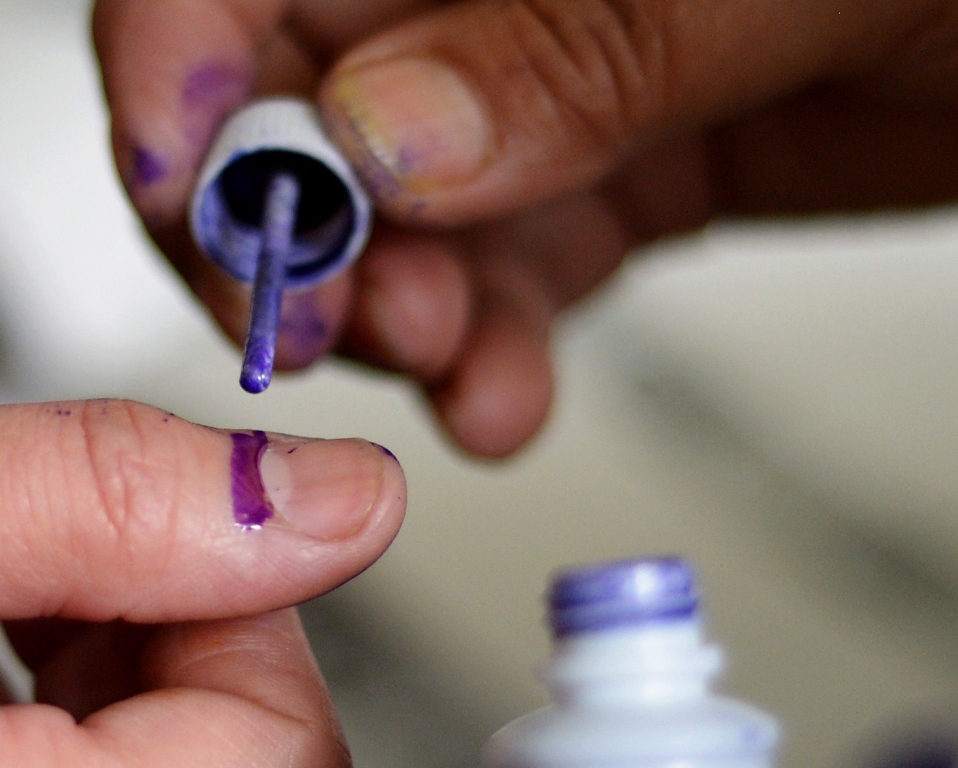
pixel 209 94
pixel 251 507
pixel 279 223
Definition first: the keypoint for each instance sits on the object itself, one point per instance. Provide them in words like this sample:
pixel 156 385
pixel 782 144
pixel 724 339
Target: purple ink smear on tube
pixel 251 507
pixel 279 223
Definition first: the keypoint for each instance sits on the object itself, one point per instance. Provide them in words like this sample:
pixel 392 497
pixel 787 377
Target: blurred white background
pixel 776 402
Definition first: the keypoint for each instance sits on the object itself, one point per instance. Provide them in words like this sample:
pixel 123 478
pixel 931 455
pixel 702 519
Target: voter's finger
pixel 115 510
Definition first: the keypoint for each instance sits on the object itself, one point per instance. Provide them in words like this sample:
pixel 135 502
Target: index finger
pixel 172 71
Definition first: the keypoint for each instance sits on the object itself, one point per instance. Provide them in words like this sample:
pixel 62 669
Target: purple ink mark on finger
pixel 386 452
pixel 209 94
pixel 305 332
pixel 279 223
pixel 214 81
pixel 148 167
pixel 251 507
pixel 379 182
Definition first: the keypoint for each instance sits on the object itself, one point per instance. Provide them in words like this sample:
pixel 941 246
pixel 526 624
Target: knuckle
pixel 132 484
pixel 602 62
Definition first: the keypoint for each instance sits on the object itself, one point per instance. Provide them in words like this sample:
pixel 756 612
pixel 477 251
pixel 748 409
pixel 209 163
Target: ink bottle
pixel 629 678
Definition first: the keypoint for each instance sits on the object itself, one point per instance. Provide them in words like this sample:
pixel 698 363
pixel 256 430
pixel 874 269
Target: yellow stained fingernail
pixel 419 119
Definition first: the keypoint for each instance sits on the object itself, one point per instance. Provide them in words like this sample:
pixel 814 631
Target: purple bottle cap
pixel 274 136
pixel 621 594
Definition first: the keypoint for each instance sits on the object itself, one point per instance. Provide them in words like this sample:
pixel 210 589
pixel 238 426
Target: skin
pixel 144 609
pixel 608 124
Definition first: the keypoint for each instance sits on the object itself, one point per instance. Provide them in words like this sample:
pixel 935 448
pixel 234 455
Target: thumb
pixel 117 510
pixel 487 106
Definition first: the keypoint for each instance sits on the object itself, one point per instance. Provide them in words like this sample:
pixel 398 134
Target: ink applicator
pixel 277 206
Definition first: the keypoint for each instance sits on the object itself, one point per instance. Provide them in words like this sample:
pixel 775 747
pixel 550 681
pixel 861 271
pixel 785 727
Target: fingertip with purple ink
pixel 214 81
pixel 325 489
pixel 386 452
pixel 210 92
pixel 147 168
pixel 304 334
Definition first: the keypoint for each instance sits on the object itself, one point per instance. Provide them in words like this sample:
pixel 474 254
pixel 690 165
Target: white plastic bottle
pixel 629 678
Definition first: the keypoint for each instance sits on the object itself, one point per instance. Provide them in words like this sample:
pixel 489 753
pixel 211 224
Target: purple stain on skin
pixel 209 94
pixel 409 159
pixel 416 211
pixel 251 507
pixel 379 182
pixel 304 330
pixel 211 82
pixel 148 167
pixel 383 185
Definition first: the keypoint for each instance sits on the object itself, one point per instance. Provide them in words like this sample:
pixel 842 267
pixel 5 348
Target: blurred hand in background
pixel 157 628
pixel 519 149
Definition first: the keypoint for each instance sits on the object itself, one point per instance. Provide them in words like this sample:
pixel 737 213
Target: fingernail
pixel 419 119
pixel 323 488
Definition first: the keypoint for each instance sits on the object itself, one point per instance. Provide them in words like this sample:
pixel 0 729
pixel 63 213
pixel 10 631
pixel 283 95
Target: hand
pixel 147 613
pixel 520 148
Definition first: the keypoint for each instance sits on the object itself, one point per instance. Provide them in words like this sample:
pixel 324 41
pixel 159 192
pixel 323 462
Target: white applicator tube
pixel 331 217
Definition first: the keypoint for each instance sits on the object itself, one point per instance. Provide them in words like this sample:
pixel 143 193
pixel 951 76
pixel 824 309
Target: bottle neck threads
pixel 628 631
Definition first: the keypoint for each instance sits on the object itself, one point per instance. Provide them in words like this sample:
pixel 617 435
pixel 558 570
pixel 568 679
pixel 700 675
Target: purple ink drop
pixel 148 168
pixel 279 224
pixel 251 507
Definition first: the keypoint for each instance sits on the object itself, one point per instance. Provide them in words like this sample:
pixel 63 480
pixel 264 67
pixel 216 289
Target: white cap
pixel 283 134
